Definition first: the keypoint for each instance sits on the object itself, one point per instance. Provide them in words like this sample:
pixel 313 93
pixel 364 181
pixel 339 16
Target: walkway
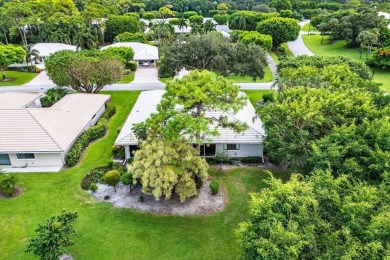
pixel 41 80
pixel 146 75
pixel 298 47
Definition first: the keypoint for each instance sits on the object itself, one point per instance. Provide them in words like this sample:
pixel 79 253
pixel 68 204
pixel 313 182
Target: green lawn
pixel 275 57
pixel 238 79
pixel 313 42
pixel 20 78
pixel 256 95
pixel 105 232
pixel 127 78
pixel 305 28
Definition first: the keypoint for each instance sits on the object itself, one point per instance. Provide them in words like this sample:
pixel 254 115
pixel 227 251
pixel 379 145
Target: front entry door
pixel 4 159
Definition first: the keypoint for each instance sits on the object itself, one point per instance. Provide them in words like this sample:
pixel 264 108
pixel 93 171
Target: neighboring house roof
pixel 147 104
pixel 10 100
pixel 46 49
pixel 141 51
pixel 51 129
pixel 223 28
pixel 184 29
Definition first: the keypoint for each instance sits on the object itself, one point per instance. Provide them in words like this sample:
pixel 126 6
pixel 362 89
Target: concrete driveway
pixel 41 80
pixel 146 75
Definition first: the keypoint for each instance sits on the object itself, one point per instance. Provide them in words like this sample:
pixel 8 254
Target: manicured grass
pixel 20 78
pixel 105 232
pixel 267 77
pixel 288 52
pixel 256 95
pixel 305 28
pixel 313 42
pixel 127 78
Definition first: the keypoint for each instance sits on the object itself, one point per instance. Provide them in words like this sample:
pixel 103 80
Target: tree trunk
pixel 2 72
pixel 322 38
pixel 5 36
pixel 115 188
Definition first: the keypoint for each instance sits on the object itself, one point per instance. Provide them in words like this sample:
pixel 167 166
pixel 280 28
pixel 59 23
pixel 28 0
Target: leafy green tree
pixel 281 30
pixel 380 58
pixel 221 18
pixel 281 5
pixel 188 14
pixel 166 167
pixel 10 54
pixel 182 110
pixel 86 39
pixel 209 26
pixel 119 24
pixel 84 71
pixel 222 7
pixel 30 52
pixel 112 178
pixel 213 52
pixel 149 16
pixel 16 16
pixel 307 219
pixel 124 53
pixel 262 40
pixel 127 179
pixel 53 236
pixel 247 20
pixel 196 19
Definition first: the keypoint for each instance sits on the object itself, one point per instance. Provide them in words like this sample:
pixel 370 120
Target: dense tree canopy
pixel 119 24
pixel 281 30
pixel 182 111
pixel 213 52
pixel 167 167
pixel 10 54
pixel 84 71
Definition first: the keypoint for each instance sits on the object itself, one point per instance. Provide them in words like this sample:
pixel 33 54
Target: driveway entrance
pixel 146 75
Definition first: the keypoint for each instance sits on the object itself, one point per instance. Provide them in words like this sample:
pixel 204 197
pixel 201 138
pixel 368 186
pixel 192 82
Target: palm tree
pixel 86 39
pixel 30 52
pixel 196 29
pixel 182 23
pixel 209 26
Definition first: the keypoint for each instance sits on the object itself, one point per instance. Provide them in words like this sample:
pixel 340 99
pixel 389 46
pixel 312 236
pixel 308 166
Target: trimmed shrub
pixel 93 187
pixel 93 176
pixel 149 16
pixel 221 18
pixel 263 40
pixel 196 19
pixel 188 14
pixel 130 37
pixel 268 97
pixel 8 184
pixel 132 65
pixel 141 198
pixel 127 179
pixel 252 159
pixel 106 197
pixel 214 187
pixel 174 21
pixel 92 134
pixel 112 178
pixel 109 112
pixel 30 68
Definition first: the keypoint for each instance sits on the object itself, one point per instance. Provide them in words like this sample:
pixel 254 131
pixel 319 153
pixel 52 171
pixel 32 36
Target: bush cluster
pixel 118 152
pixel 92 134
pixel 30 68
pixel 109 112
pixel 53 95
pixel 132 65
pixel 93 176
pixel 214 187
pixel 252 159
pixel 8 184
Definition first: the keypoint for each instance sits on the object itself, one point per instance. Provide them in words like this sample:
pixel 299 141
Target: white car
pixel 145 64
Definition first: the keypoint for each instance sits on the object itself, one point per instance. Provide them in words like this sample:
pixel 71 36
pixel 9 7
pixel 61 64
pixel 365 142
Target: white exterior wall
pixel 41 160
pixel 98 114
pixel 244 151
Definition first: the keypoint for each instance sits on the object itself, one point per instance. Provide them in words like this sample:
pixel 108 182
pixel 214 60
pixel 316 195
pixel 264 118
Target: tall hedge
pixel 92 134
pixel 119 24
pixel 263 40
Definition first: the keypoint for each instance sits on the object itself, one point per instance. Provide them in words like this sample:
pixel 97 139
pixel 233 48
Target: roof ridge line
pixel 44 129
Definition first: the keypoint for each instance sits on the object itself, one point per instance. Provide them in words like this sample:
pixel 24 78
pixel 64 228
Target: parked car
pixel 146 64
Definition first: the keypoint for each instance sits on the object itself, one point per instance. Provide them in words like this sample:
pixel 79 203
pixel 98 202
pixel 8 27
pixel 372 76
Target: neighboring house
pixel 182 30
pixel 247 143
pixel 39 139
pixel 386 15
pixel 45 50
pixel 143 53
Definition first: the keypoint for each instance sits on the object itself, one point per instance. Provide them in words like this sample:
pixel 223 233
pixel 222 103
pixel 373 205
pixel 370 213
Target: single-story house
pixel 46 49
pixel 33 138
pixel 386 15
pixel 142 52
pixel 246 143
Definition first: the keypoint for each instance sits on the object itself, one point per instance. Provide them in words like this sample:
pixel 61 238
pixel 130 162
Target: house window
pixel 231 147
pixel 24 156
